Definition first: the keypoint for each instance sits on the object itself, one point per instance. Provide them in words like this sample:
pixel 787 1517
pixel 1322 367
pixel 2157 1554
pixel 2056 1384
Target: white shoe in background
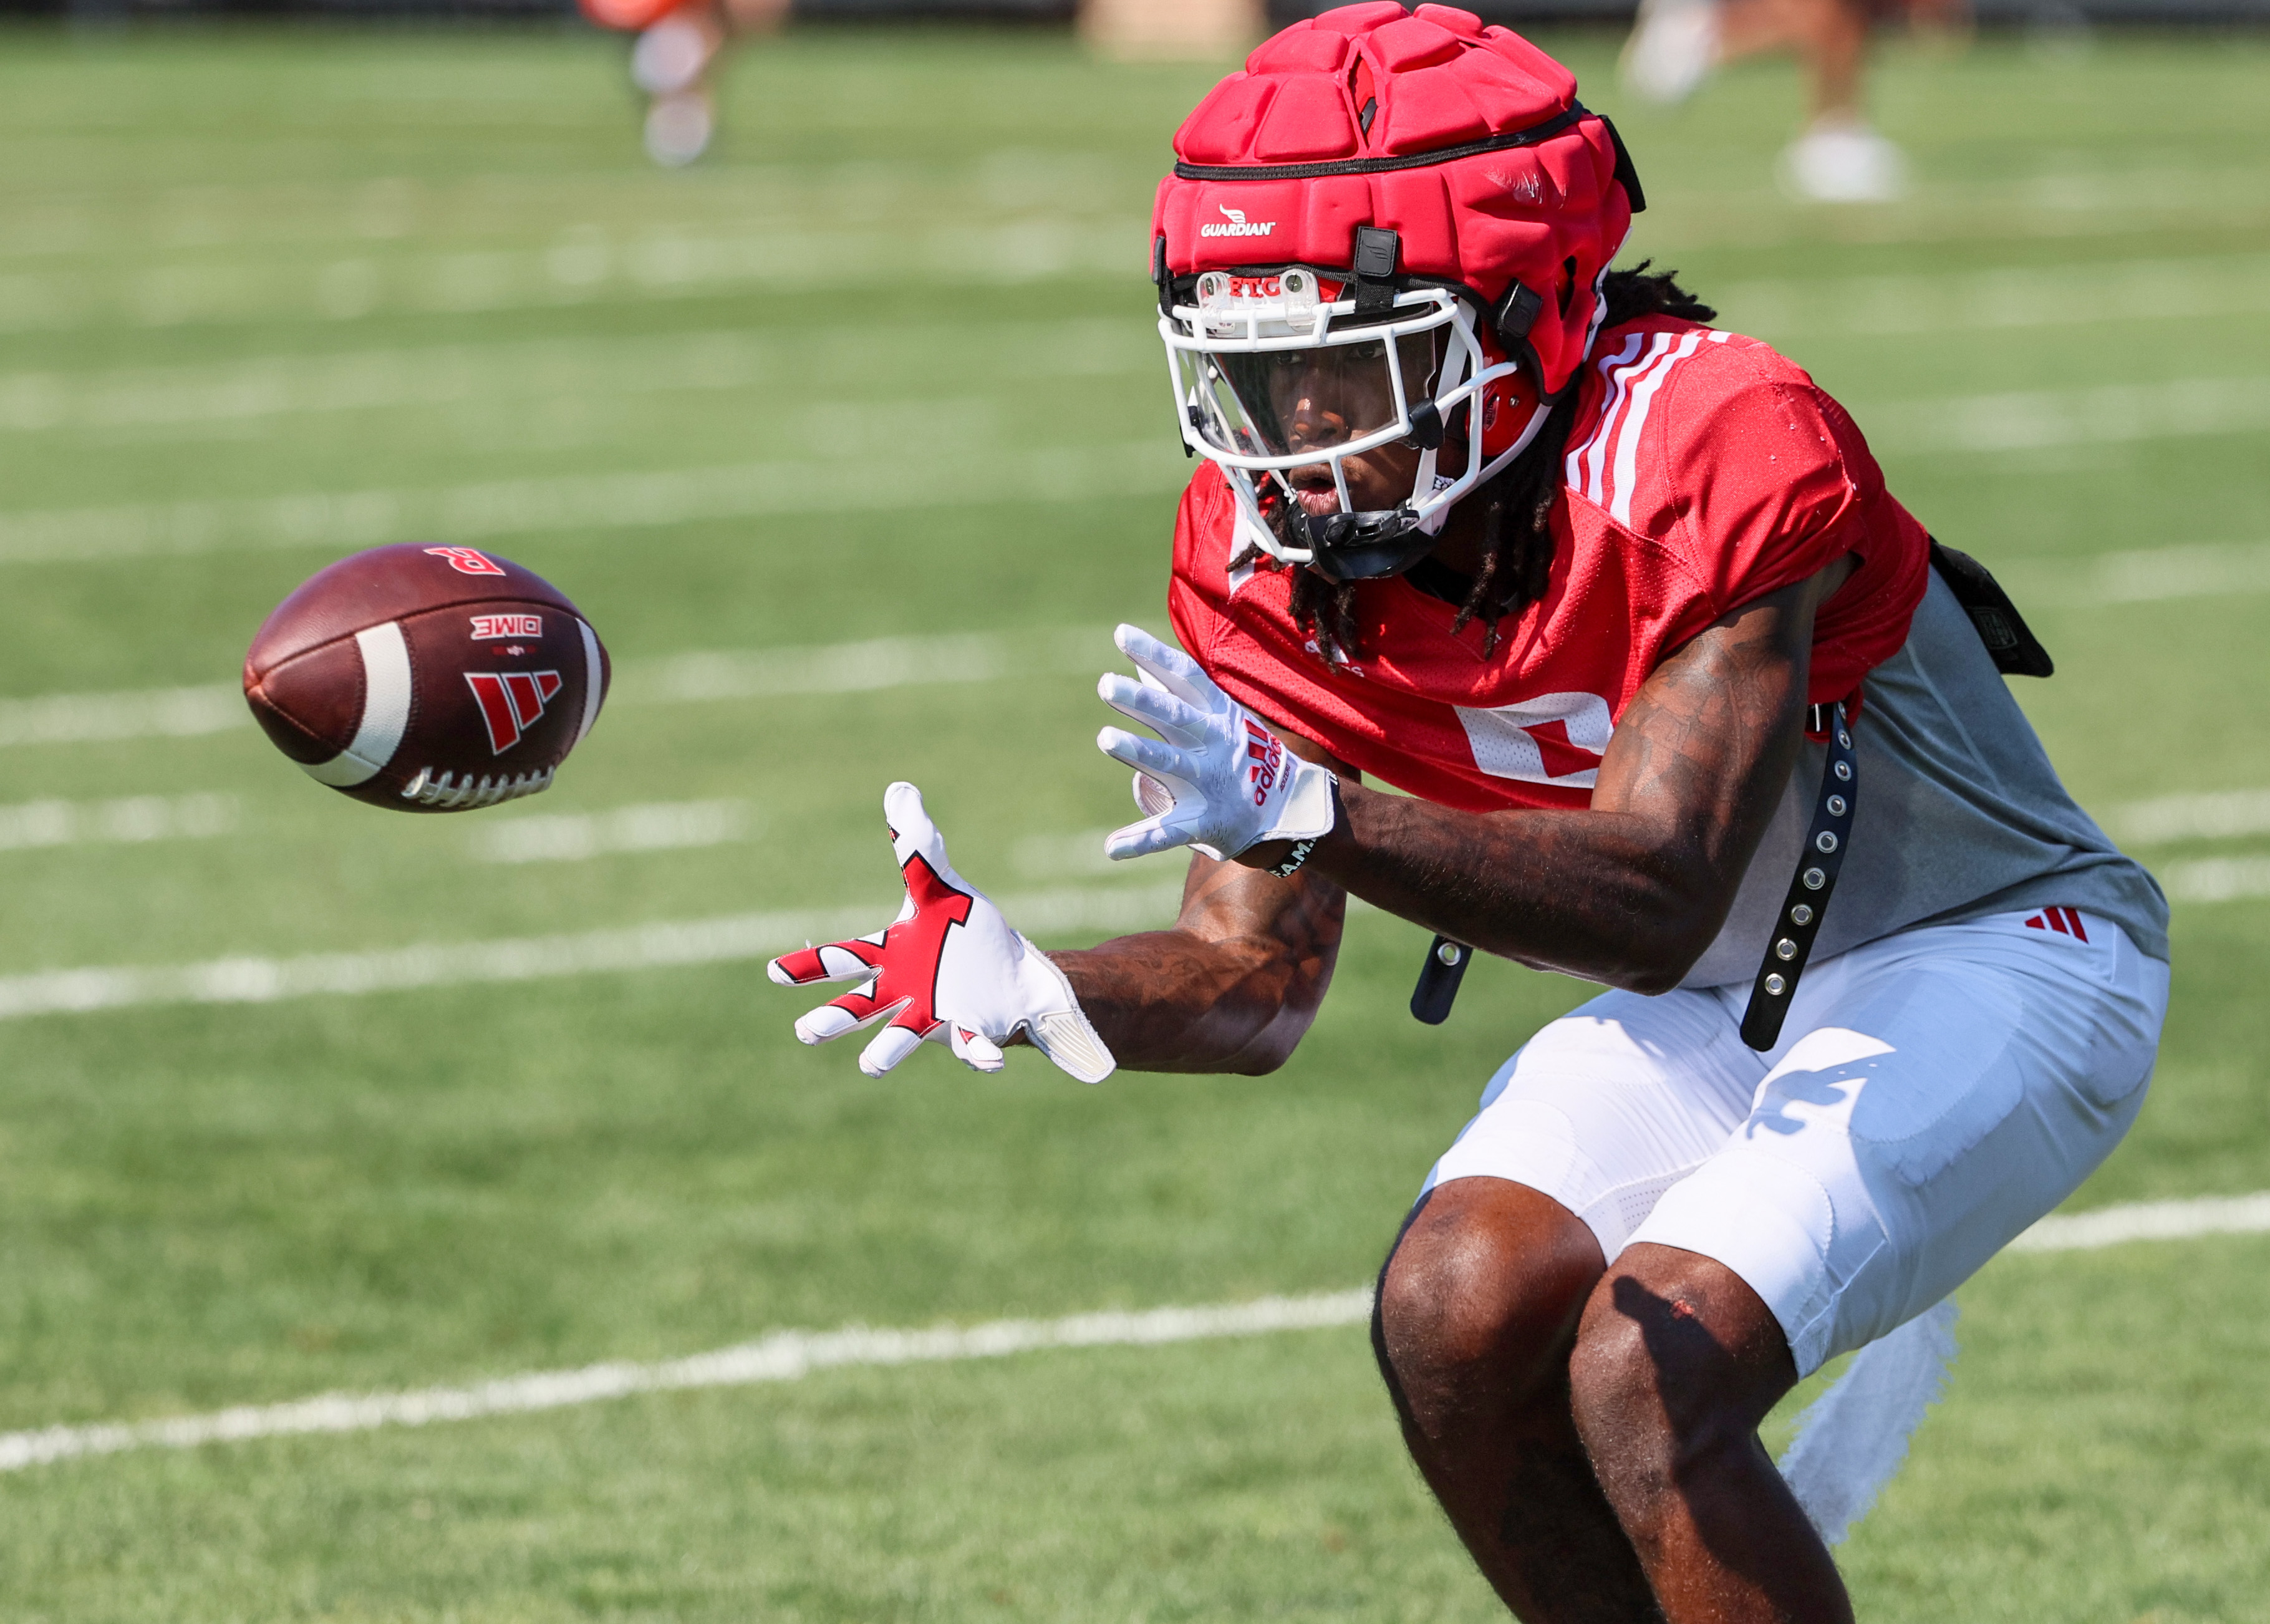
pixel 1672 47
pixel 1842 161
pixel 677 129
pixel 670 56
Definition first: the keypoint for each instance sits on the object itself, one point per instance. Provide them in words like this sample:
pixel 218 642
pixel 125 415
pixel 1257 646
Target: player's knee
pixel 1475 1310
pixel 1653 1382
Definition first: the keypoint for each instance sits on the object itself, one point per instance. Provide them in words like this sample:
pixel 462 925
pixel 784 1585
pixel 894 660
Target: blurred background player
pixel 1171 28
pixel 1839 158
pixel 678 46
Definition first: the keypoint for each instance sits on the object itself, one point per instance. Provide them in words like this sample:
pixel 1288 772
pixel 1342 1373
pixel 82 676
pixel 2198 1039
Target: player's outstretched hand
pixel 948 970
pixel 1221 780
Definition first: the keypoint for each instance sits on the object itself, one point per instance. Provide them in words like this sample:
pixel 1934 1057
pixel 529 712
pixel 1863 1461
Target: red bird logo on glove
pixel 949 969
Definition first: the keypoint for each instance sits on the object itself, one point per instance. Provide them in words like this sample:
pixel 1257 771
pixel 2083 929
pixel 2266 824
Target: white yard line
pixel 29 826
pixel 863 667
pixel 499 507
pixel 791 1355
pixel 2216 880
pixel 2196 570
pixel 2136 290
pixel 1075 856
pixel 2038 420
pixel 2147 1220
pixel 666 944
pixel 784 1356
pixel 2143 203
pixel 262 219
pixel 868 666
pixel 579 268
pixel 2143 574
pixel 2218 814
pixel 161 398
pixel 148 713
pixel 576 837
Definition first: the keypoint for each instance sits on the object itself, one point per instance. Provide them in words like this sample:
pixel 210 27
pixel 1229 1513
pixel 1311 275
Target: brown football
pixel 427 678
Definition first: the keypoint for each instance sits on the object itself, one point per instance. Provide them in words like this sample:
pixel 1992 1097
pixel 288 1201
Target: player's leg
pixel 1840 158
pixel 1756 28
pixel 675 63
pixel 1676 1363
pixel 756 16
pixel 1834 47
pixel 1479 1303
pixel 1477 1311
pixel 671 63
pixel 1944 1088
pixel 1673 46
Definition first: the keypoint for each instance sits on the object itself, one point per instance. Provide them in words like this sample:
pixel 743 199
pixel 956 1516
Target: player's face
pixel 1337 393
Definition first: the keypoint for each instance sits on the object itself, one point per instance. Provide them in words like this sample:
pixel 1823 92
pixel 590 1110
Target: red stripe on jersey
pixel 2072 917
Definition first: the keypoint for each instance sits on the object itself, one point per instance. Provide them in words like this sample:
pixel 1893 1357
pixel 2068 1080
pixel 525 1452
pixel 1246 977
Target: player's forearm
pixel 1232 987
pixel 1170 1001
pixel 1603 896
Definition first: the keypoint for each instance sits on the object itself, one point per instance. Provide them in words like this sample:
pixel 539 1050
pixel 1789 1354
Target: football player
pixel 1684 703
pixel 673 59
pixel 1839 158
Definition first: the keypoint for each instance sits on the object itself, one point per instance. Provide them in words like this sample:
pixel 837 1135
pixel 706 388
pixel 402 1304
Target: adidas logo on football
pixel 1238 226
pixel 511 702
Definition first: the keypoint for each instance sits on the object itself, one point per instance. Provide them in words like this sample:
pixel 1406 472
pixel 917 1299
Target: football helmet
pixel 1390 228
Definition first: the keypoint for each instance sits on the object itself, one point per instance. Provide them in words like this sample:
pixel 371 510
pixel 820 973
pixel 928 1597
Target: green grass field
pixel 906 301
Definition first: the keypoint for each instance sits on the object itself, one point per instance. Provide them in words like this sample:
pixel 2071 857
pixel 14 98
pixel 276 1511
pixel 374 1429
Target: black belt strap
pixel 1811 887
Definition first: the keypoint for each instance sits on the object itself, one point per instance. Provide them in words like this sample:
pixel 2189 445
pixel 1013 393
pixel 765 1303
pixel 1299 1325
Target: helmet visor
pixel 1307 402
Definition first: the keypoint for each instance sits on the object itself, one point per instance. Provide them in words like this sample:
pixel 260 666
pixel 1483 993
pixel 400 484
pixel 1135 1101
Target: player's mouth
pixel 1313 491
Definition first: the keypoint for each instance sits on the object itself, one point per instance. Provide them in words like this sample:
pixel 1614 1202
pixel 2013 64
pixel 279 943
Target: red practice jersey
pixel 1704 471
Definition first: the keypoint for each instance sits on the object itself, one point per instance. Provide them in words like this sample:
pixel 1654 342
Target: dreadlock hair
pixel 1515 505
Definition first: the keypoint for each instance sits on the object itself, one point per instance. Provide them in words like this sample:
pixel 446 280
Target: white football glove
pixel 1222 782
pixel 948 970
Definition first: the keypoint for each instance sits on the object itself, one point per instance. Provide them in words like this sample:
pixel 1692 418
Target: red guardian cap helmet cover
pixel 1393 212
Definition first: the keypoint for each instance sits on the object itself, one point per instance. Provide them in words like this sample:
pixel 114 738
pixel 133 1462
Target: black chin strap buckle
pixel 1361 547
pixel 1826 842
pixel 1376 251
pixel 1516 312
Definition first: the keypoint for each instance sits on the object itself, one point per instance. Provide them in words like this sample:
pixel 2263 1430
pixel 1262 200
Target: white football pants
pixel 1933 1093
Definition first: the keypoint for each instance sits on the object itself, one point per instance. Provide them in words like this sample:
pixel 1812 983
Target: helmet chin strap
pixel 1360 547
